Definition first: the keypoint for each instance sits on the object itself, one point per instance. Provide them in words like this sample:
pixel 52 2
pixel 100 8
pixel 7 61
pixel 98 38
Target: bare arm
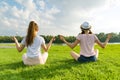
pixel 71 45
pixel 103 45
pixel 18 46
pixel 47 47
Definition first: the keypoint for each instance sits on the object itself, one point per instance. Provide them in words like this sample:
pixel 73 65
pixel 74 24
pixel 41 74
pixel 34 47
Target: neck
pixel 86 31
pixel 35 33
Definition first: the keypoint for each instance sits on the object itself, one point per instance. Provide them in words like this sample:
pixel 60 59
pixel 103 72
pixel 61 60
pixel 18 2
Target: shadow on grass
pixel 12 66
pixel 40 72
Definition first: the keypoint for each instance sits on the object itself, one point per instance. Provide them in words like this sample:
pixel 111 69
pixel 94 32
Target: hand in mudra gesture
pixel 61 37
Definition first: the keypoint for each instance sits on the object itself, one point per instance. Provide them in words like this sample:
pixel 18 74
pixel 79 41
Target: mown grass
pixel 61 66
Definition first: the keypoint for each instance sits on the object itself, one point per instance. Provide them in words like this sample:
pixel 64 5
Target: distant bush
pixel 101 36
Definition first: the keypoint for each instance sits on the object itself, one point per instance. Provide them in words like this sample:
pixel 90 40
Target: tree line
pixel 101 36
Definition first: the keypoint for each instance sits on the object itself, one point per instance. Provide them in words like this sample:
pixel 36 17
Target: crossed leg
pixel 43 58
pixel 74 55
pixel 97 52
pixel 33 61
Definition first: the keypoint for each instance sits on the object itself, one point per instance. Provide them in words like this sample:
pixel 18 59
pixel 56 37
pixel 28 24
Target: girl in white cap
pixel 86 39
pixel 34 43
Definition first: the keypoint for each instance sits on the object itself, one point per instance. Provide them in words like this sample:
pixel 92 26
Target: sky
pixel 56 17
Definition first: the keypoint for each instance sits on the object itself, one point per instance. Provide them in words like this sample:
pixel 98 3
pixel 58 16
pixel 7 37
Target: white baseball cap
pixel 85 25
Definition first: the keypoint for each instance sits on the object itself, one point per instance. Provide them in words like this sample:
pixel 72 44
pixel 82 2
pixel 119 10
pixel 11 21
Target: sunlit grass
pixel 61 66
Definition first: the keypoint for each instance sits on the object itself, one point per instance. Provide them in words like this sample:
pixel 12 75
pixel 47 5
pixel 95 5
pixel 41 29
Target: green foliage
pixel 115 38
pixel 102 36
pixel 61 66
pixel 8 39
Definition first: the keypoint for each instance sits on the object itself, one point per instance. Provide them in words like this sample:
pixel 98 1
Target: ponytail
pixel 31 33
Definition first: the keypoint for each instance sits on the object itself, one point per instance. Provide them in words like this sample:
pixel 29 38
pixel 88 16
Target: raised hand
pixel 61 37
pixel 109 35
pixel 53 39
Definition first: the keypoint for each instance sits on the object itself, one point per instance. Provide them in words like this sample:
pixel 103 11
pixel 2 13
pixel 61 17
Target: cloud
pixel 73 13
pixel 17 16
pixel 41 4
pixel 58 16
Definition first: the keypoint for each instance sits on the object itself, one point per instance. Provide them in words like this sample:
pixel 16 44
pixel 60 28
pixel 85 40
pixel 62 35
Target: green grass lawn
pixel 61 66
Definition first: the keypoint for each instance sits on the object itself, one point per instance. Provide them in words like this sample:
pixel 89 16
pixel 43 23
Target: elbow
pixel 72 47
pixel 46 50
pixel 19 50
pixel 103 47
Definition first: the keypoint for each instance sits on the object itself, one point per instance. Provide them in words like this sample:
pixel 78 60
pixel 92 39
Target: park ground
pixel 60 65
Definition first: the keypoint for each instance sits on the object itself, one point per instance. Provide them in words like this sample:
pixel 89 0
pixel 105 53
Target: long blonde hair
pixel 31 33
